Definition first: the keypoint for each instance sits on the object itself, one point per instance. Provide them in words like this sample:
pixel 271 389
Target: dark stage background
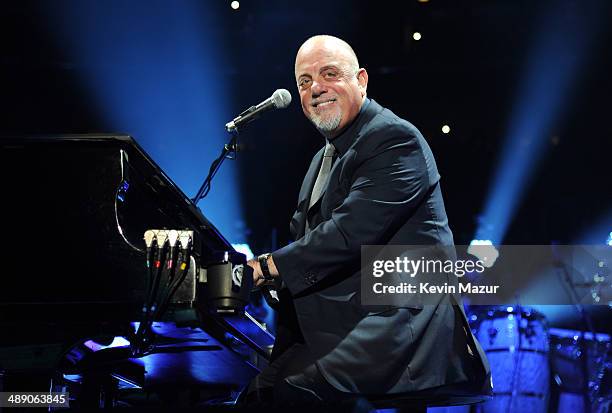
pixel 508 77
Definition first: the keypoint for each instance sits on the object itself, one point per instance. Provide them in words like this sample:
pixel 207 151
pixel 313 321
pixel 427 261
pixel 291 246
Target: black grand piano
pixel 114 286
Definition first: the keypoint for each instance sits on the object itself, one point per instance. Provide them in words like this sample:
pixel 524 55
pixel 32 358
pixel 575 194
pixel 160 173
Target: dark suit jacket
pixel 383 189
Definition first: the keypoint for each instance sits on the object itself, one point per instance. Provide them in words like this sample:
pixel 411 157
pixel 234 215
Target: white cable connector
pixel 173 237
pixel 162 236
pixel 185 238
pixel 149 236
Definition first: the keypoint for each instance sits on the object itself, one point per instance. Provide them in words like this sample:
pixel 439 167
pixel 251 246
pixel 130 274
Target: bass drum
pixel 515 341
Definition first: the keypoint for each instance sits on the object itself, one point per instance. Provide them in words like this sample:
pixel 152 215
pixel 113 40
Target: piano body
pixel 75 284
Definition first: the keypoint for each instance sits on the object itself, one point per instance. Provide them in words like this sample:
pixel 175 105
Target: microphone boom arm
pixel 229 151
pixel 280 99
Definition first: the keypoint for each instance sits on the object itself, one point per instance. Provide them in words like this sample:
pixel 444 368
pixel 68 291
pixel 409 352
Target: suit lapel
pixel 342 144
pixel 305 191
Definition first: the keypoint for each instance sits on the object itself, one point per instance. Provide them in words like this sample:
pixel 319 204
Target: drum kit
pixel 538 369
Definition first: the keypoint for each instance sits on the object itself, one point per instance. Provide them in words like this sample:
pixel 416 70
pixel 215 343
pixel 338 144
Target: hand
pixel 258 278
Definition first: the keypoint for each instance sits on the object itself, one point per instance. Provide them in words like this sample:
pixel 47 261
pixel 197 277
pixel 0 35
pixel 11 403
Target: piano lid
pixel 74 211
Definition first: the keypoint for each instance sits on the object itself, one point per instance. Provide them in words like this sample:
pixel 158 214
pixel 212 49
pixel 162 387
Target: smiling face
pixel 331 85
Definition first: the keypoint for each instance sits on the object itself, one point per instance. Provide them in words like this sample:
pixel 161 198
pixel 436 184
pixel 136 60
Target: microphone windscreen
pixel 281 98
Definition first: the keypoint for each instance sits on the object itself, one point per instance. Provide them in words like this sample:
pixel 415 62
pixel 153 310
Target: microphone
pixel 280 99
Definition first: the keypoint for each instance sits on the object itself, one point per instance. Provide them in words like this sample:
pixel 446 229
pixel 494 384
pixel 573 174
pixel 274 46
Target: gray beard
pixel 328 124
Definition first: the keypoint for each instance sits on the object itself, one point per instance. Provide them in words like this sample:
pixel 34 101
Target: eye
pixel 330 74
pixel 304 83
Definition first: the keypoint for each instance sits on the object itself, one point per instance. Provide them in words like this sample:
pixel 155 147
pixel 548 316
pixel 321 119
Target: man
pixel 374 183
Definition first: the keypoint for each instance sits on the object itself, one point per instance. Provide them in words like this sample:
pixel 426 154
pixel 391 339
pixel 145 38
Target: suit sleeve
pixel 386 187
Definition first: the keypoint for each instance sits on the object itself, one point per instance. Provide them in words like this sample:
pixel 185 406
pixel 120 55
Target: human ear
pixel 362 80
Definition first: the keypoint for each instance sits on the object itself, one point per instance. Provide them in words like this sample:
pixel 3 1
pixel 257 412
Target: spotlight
pixel 245 249
pixel 416 36
pixel 445 129
pixel 484 250
pixel 235 5
pixel 609 241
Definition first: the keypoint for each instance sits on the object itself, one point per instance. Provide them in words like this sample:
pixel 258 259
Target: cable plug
pixel 173 236
pixel 185 239
pixel 162 236
pixel 149 237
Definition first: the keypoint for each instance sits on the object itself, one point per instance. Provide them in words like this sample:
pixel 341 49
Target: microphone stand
pixel 230 151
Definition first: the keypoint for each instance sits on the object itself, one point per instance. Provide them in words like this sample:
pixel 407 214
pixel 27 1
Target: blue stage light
pixel 552 66
pixel 484 250
pixel 158 72
pixel 481 242
pixel 245 249
pixel 595 234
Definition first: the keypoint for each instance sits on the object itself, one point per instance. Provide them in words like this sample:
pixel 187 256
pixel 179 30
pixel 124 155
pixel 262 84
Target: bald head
pixel 332 86
pixel 333 45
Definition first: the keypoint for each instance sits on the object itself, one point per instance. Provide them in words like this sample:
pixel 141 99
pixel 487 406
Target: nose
pixel 317 89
